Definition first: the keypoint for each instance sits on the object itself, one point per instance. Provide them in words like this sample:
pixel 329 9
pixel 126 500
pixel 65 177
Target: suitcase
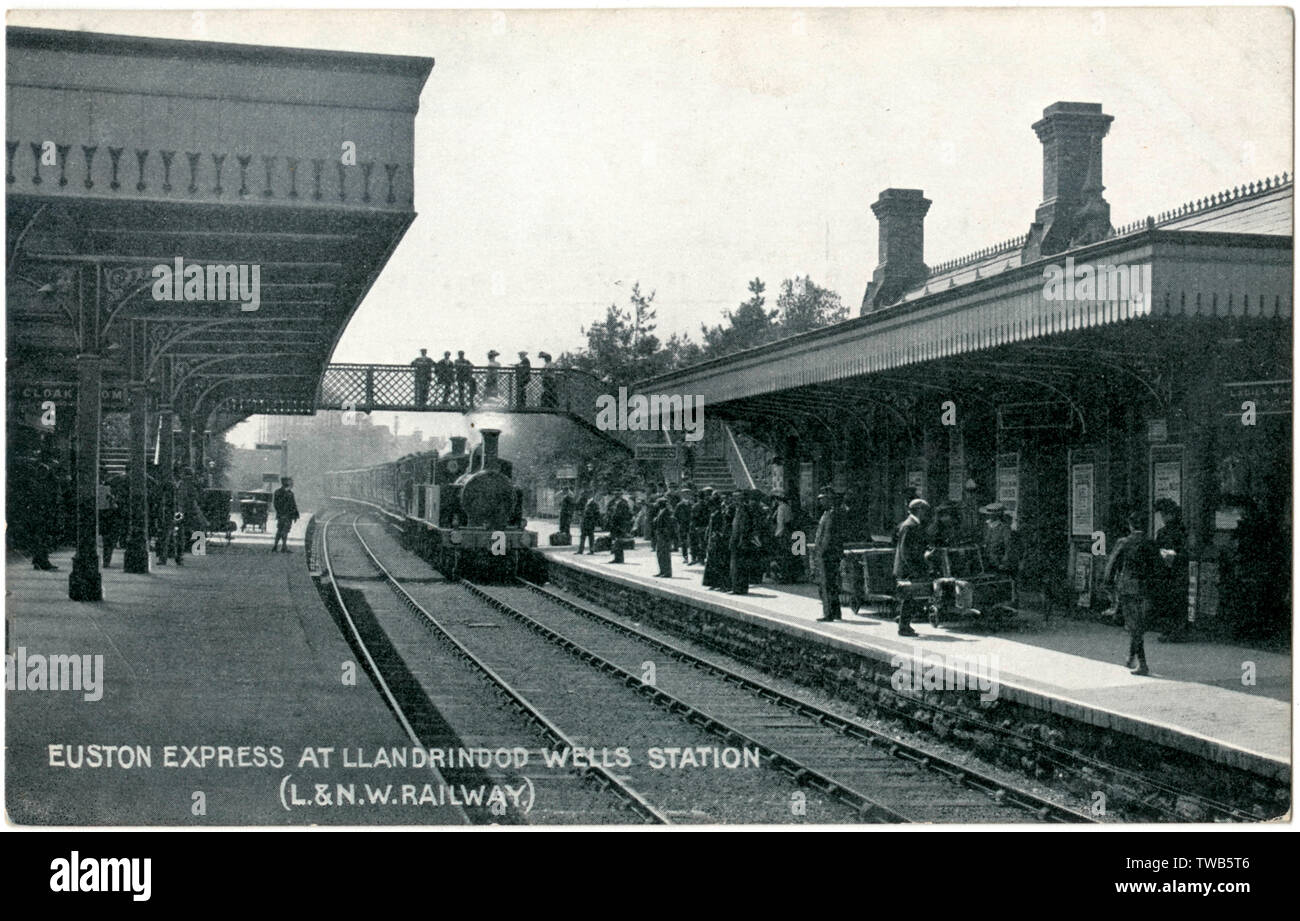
pixel 603 544
pixel 561 539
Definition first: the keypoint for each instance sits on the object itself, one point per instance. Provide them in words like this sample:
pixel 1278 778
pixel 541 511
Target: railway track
pixel 381 665
pixel 552 643
pixel 426 672
pixel 1157 801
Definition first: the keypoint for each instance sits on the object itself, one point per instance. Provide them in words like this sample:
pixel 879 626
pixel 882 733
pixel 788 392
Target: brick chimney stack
pixel 1073 212
pixel 900 264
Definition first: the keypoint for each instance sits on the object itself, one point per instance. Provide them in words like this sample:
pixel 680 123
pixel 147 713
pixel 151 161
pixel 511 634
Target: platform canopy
pixel 995 314
pixel 289 170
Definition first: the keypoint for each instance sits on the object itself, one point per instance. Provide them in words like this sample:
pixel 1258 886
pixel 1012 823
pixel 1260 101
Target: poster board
pixel 956 469
pixel 916 478
pixel 1202 590
pixel 1008 465
pixel 1083 493
pixel 1083 573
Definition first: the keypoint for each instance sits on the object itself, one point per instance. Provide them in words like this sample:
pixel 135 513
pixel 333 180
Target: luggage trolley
pixel 253 507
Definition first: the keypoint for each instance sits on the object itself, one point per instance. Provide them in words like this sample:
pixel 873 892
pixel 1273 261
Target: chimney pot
pixel 1073 211
pixel 900 262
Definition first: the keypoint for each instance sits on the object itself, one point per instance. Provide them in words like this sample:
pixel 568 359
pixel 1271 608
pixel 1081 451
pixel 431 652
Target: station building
pixel 1073 374
pixel 286 174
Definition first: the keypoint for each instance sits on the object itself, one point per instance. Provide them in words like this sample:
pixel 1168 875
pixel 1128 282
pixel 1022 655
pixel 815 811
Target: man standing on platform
pixel 423 371
pixel 189 510
pixel 1170 610
pixel 663 531
pixel 620 522
pixel 683 514
pixel 911 571
pixel 700 513
pixel 828 549
pixel 587 526
pixel 783 531
pixel 286 513
pixel 566 510
pixel 1133 573
pixel 108 504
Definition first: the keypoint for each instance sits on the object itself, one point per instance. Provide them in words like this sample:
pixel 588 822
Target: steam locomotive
pixel 460 510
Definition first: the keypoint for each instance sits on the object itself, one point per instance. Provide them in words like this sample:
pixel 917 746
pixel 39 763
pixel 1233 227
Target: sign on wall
pixel 662 452
pixel 1083 492
pixel 1009 483
pixel 956 472
pixel 64 393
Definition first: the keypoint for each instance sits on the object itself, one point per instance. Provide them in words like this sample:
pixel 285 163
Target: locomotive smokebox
pixel 490 439
pixel 458 444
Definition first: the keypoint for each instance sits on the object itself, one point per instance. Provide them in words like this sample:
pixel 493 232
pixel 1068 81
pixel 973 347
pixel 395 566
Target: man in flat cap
pixel 1132 574
pixel 828 550
pixel 423 371
pixel 444 372
pixel 911 570
pixel 465 386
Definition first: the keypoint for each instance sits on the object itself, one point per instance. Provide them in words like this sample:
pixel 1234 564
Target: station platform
pixel 234 649
pixel 1193 701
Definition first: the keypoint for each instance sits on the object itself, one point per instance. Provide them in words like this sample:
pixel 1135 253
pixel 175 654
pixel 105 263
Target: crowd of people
pixel 452 382
pixel 744 537
pixel 740 538
pixel 42 504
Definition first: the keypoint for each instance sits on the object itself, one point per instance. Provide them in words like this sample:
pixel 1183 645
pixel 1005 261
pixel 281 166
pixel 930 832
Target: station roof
pixel 1227 255
pixel 130 153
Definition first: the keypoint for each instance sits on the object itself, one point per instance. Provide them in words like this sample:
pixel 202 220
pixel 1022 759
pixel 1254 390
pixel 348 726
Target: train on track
pixel 460 510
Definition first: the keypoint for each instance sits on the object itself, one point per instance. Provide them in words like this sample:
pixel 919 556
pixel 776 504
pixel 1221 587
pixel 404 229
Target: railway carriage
pixel 460 510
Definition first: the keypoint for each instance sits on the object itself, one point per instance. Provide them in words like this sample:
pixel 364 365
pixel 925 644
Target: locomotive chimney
pixel 490 438
pixel 458 444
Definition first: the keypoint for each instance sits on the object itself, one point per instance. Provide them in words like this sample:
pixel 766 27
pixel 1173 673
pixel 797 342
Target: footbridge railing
pixel 480 388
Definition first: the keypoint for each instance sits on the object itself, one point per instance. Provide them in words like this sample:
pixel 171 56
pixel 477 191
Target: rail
pixel 478 388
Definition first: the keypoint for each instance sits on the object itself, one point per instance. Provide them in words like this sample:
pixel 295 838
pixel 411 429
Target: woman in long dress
pixel 717 562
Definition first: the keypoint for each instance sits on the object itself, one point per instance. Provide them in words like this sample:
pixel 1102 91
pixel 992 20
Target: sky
pixel 561 156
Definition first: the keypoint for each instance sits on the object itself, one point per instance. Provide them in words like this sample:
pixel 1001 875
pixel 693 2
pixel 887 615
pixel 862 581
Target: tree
pixel 748 325
pixel 623 348
pixel 803 305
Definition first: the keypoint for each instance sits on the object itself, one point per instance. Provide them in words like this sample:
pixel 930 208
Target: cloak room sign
pixel 112 397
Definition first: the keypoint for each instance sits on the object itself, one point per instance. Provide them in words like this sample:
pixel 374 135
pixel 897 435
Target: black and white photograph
pixel 787 418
